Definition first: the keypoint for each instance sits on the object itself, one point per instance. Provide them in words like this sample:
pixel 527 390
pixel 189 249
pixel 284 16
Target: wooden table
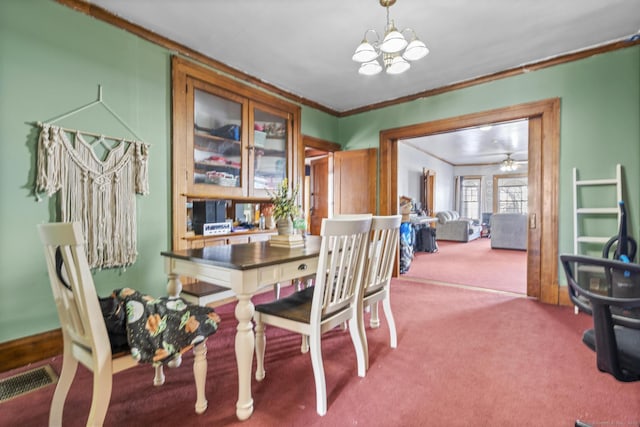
pixel 245 269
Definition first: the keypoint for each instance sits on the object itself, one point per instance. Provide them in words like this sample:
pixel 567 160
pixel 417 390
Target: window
pixel 511 194
pixel 470 197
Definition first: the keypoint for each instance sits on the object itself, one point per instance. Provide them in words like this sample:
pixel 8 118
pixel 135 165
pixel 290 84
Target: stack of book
pixel 287 241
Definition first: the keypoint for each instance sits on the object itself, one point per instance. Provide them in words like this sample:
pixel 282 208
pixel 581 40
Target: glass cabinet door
pixel 218 132
pixel 270 148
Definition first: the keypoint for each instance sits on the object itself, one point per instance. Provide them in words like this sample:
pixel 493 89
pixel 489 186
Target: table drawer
pixel 288 271
pixel 298 269
pixel 269 275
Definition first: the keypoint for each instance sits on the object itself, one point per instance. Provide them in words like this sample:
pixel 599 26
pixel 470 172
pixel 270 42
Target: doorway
pixel 483 171
pixel 544 142
pixel 345 184
pixel 318 194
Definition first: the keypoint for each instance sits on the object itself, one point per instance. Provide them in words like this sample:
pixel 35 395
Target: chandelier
pixel 508 164
pixel 395 50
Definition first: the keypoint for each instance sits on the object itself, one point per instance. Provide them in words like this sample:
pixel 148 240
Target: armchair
pixel 451 226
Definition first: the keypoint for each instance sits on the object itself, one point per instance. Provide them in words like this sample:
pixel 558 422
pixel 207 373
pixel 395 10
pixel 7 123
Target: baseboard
pixel 23 351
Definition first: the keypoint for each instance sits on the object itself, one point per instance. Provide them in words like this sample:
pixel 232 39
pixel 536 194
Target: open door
pixel 354 181
pixel 428 187
pixel 318 194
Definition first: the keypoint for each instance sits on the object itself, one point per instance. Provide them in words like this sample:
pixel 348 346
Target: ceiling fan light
pixel 508 165
pixel 415 50
pixel 365 52
pixel 370 68
pixel 398 65
pixel 393 42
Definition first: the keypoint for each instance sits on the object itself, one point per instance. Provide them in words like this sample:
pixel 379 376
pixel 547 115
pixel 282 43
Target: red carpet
pixel 472 264
pixel 464 358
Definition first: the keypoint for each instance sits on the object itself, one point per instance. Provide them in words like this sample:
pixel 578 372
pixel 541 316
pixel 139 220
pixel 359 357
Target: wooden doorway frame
pixel 319 145
pixel 544 150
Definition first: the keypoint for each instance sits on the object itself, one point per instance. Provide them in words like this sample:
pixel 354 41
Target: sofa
pixel 509 231
pixel 451 227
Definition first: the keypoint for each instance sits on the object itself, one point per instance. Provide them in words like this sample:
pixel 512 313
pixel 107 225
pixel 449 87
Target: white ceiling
pixel 477 146
pixel 304 47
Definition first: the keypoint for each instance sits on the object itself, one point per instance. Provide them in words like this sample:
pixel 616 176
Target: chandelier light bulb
pixel 370 68
pixel 415 50
pixel 393 41
pixel 365 52
pixel 398 65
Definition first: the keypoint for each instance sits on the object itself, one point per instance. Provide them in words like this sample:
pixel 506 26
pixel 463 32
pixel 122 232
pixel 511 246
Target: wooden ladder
pixel 608 211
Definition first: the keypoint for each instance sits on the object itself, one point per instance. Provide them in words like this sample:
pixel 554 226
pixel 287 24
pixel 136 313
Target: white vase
pixel 285 226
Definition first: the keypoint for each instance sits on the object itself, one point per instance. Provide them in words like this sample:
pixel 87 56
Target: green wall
pixel 319 124
pixel 52 60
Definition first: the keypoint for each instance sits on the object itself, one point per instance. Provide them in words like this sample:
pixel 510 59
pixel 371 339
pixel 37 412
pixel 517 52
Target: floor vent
pixel 26 382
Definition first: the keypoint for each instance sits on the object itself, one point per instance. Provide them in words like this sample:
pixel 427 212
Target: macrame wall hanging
pixel 100 194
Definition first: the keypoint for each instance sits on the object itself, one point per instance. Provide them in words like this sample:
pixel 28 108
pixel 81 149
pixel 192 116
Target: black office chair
pixel 612 289
pixel 614 306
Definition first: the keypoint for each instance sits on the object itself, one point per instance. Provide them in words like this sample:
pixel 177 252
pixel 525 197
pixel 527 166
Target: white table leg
pixel 245 345
pixel 174 285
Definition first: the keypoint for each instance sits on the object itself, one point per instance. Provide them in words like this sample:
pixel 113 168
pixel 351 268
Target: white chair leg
pixel 200 375
pixel 393 336
pixel 69 368
pixel 318 373
pixel 301 284
pixel 102 384
pixel 158 379
pixel 359 340
pixel 374 320
pixel 175 362
pixel 260 347
pixel 276 290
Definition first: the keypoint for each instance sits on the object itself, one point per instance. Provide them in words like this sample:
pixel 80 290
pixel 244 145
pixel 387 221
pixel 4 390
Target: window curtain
pixel 458 193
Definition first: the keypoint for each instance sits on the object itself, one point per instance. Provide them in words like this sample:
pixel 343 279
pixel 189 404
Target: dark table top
pixel 246 256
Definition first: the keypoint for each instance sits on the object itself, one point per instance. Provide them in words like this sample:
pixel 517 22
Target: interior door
pixel 354 181
pixel 428 187
pixel 319 200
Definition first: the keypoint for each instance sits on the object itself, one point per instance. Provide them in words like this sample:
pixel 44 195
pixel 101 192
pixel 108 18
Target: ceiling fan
pixel 509 164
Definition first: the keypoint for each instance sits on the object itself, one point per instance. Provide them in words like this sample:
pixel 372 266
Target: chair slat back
pixel 383 247
pixel 340 264
pixel 78 307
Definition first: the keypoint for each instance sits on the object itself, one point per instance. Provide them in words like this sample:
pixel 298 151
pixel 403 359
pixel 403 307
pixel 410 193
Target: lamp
pixel 508 164
pixel 395 50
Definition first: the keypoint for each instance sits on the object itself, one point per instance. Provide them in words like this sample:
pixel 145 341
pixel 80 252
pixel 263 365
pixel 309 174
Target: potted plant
pixel 285 207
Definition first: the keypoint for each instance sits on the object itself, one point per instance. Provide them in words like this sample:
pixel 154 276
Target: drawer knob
pixel 302 267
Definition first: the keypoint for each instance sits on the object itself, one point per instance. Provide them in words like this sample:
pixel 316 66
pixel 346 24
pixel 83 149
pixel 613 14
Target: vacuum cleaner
pixel 623 284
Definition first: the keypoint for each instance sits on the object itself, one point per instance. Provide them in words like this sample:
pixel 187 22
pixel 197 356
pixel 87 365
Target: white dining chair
pixel 383 248
pixel 329 303
pixel 85 337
